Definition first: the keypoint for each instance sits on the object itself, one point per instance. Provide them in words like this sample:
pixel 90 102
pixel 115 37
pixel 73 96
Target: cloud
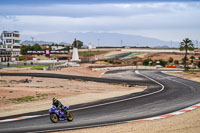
pixel 85 10
pixel 130 18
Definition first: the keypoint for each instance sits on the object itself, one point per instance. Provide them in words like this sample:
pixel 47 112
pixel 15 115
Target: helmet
pixel 54 100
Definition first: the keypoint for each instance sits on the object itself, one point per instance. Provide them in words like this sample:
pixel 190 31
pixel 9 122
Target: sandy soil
pixel 194 76
pixel 42 90
pixel 83 70
pixel 166 56
pixel 185 123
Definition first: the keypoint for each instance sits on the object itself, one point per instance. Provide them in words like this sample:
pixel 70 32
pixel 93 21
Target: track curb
pixel 182 111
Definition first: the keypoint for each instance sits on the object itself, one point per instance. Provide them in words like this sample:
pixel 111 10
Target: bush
pixel 171 60
pixel 113 61
pixel 21 58
pixel 146 62
pixel 22 99
pixel 163 62
pixel 176 62
pixel 135 63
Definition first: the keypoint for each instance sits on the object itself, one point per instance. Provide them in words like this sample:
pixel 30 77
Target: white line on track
pixel 146 119
pixel 137 72
pixel 117 101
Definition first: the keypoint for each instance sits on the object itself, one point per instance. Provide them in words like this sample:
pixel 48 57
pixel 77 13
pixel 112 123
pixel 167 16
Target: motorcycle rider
pixel 59 105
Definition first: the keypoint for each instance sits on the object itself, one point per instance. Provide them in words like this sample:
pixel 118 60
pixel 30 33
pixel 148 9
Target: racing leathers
pixel 59 105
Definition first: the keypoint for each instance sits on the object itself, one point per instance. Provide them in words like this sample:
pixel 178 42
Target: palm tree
pixel 186 45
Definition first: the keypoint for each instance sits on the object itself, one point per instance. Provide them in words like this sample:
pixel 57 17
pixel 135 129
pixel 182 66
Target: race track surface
pixel 165 94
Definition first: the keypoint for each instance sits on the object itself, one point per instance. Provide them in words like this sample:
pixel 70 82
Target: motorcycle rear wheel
pixel 70 116
pixel 53 118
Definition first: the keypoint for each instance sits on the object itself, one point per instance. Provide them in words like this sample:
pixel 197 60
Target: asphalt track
pixel 165 94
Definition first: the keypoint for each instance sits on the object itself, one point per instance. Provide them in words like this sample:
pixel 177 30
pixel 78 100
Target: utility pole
pixel 32 38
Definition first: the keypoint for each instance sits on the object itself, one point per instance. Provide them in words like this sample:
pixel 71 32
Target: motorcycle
pixel 56 114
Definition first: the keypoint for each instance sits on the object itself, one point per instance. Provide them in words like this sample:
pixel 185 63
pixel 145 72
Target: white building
pixel 57 47
pixel 11 44
pixel 90 46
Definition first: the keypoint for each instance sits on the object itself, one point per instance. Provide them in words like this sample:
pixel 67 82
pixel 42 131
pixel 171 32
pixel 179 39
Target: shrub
pixel 135 63
pixel 21 58
pixel 146 62
pixel 171 60
pixel 176 62
pixel 163 62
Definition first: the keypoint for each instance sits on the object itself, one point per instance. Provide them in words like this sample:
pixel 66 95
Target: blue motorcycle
pixel 56 114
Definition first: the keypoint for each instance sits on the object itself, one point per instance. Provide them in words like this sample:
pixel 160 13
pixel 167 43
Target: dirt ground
pixel 195 76
pixel 17 97
pixel 83 70
pixel 185 123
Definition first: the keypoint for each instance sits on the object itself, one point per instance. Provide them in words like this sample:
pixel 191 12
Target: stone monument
pixel 75 56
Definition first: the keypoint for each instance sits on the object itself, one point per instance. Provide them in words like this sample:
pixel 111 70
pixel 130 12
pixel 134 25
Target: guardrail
pixel 123 68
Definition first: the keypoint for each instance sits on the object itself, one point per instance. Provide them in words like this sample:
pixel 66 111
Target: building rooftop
pixel 10 31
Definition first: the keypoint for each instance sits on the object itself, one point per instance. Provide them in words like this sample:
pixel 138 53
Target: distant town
pixel 13 51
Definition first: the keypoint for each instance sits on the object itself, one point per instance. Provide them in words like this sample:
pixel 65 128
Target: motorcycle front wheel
pixel 70 116
pixel 53 118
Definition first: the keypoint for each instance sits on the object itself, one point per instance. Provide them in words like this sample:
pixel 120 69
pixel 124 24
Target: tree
pixel 171 60
pixel 78 42
pixel 135 63
pixel 147 62
pixel 67 48
pixel 163 62
pixel 192 59
pixel 24 49
pixel 176 62
pixel 36 47
pixel 198 64
pixel 186 45
pixel 184 60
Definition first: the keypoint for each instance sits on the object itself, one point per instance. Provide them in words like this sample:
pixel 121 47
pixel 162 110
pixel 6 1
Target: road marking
pixel 137 72
pixel 140 120
pixel 170 114
pixel 20 118
pixel 117 101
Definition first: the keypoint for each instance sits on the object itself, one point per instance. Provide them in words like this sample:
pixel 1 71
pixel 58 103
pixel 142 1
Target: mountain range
pixel 100 39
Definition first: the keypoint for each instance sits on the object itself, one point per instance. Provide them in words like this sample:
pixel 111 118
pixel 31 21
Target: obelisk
pixel 75 56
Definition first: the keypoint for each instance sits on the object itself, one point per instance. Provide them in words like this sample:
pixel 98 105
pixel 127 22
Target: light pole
pixel 32 38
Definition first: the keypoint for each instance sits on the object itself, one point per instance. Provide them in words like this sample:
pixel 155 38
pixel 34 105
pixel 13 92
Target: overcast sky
pixel 163 19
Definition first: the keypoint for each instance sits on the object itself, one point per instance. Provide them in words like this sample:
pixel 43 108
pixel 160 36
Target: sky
pixel 169 20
